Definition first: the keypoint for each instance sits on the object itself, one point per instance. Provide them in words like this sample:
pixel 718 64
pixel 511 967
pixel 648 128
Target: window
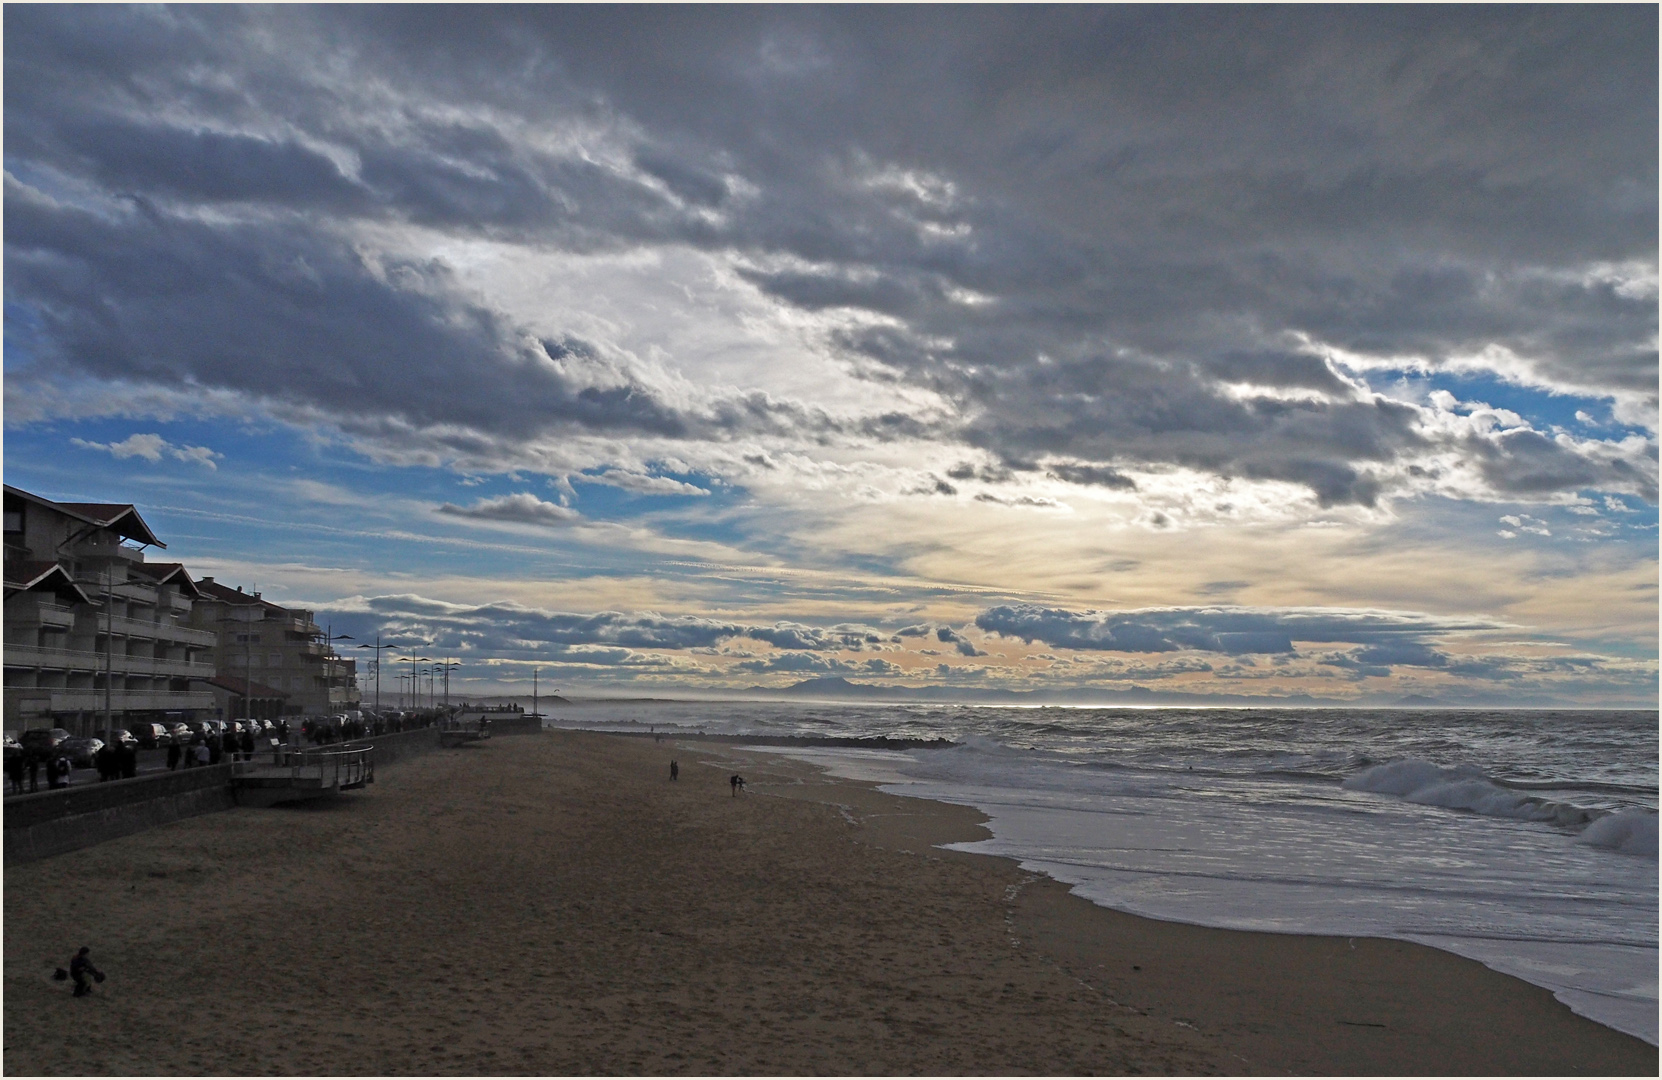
pixel 276 659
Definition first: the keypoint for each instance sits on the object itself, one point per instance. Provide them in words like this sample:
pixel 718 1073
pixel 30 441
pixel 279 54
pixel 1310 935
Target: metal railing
pixel 334 767
pixel 38 656
pixel 162 630
pixel 91 699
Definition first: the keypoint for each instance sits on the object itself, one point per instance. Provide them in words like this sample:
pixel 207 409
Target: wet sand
pixel 553 904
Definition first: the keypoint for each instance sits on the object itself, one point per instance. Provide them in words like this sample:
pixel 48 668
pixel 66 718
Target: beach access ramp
pixel 293 774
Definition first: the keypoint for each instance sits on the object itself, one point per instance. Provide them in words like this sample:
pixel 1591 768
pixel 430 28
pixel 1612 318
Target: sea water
pixel 1526 840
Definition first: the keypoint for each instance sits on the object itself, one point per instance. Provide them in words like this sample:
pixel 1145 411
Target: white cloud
pixel 151 447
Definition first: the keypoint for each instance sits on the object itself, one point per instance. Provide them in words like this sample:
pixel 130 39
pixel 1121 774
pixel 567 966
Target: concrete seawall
pixel 53 822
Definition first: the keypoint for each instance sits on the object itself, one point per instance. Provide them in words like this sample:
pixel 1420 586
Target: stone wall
pixel 52 822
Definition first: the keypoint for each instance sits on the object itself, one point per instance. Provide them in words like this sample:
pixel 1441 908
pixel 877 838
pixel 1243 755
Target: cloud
pixel 643 484
pixel 1121 271
pixel 522 508
pixel 510 629
pixel 151 447
pixel 1228 630
pixel 813 664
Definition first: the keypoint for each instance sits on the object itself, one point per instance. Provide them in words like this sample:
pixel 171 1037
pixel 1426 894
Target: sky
pixel 1272 354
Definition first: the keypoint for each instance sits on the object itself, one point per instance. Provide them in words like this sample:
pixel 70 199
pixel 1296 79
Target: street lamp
pixel 378 647
pixel 330 669
pixel 415 682
pixel 447 667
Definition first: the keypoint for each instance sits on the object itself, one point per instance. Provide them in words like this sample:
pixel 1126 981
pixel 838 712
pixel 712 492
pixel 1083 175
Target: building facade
pixel 270 647
pixel 95 636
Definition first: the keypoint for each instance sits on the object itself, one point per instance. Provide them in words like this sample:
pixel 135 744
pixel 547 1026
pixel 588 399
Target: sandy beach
pixel 554 904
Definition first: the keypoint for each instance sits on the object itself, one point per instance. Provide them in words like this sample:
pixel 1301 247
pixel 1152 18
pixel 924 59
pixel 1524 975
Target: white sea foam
pixel 1632 831
pixel 1466 788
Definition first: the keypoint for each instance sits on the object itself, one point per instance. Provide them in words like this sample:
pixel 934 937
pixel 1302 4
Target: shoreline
pixel 1400 1000
pixel 553 904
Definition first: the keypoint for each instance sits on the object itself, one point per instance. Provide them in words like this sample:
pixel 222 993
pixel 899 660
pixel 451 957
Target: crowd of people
pixel 206 745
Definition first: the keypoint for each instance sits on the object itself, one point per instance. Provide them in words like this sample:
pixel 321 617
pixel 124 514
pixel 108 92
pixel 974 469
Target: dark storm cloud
pixel 1099 231
pixel 1231 630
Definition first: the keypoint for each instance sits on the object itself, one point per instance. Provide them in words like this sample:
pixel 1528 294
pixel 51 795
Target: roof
pixel 240 687
pixel 120 518
pixel 208 589
pixel 169 573
pixel 23 575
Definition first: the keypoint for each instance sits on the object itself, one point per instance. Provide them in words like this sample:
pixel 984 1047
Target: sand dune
pixel 553 904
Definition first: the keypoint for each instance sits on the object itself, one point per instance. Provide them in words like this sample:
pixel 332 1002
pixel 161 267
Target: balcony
pixel 31 656
pixel 157 631
pixel 55 616
pixel 88 700
pixel 136 591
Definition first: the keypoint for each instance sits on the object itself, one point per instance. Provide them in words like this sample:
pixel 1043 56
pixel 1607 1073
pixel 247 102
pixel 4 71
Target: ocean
pixel 1526 840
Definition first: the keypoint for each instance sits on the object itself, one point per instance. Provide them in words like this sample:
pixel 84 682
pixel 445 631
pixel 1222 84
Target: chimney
pixel 207 581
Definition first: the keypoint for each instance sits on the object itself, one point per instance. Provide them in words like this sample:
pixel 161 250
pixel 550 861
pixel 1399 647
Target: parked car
pixel 150 736
pixel 182 734
pixel 80 749
pixel 11 742
pixel 41 740
pixel 123 737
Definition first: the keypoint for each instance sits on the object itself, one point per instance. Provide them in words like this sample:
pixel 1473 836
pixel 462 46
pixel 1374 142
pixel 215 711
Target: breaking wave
pixel 1630 831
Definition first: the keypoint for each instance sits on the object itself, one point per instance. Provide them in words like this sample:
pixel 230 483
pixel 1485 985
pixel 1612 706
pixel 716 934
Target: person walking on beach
pixel 80 968
pixel 738 784
pixel 674 770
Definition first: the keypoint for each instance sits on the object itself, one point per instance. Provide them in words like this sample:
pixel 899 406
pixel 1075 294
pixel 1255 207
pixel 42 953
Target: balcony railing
pixel 91 700
pixel 157 630
pixel 33 656
pixel 23 616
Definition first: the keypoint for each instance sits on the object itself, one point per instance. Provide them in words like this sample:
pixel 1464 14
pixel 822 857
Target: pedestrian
pixel 674 770
pixel 201 749
pixel 127 758
pixel 215 748
pixel 103 760
pixel 53 772
pixel 247 745
pixel 14 769
pixel 80 968
pixel 173 755
pixel 31 759
pixel 738 784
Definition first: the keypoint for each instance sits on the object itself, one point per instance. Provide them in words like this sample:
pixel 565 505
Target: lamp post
pixel 447 667
pixel 415 682
pixel 329 660
pixel 378 647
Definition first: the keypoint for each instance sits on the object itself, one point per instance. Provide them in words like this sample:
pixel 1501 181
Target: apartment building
pixel 269 648
pixel 95 636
